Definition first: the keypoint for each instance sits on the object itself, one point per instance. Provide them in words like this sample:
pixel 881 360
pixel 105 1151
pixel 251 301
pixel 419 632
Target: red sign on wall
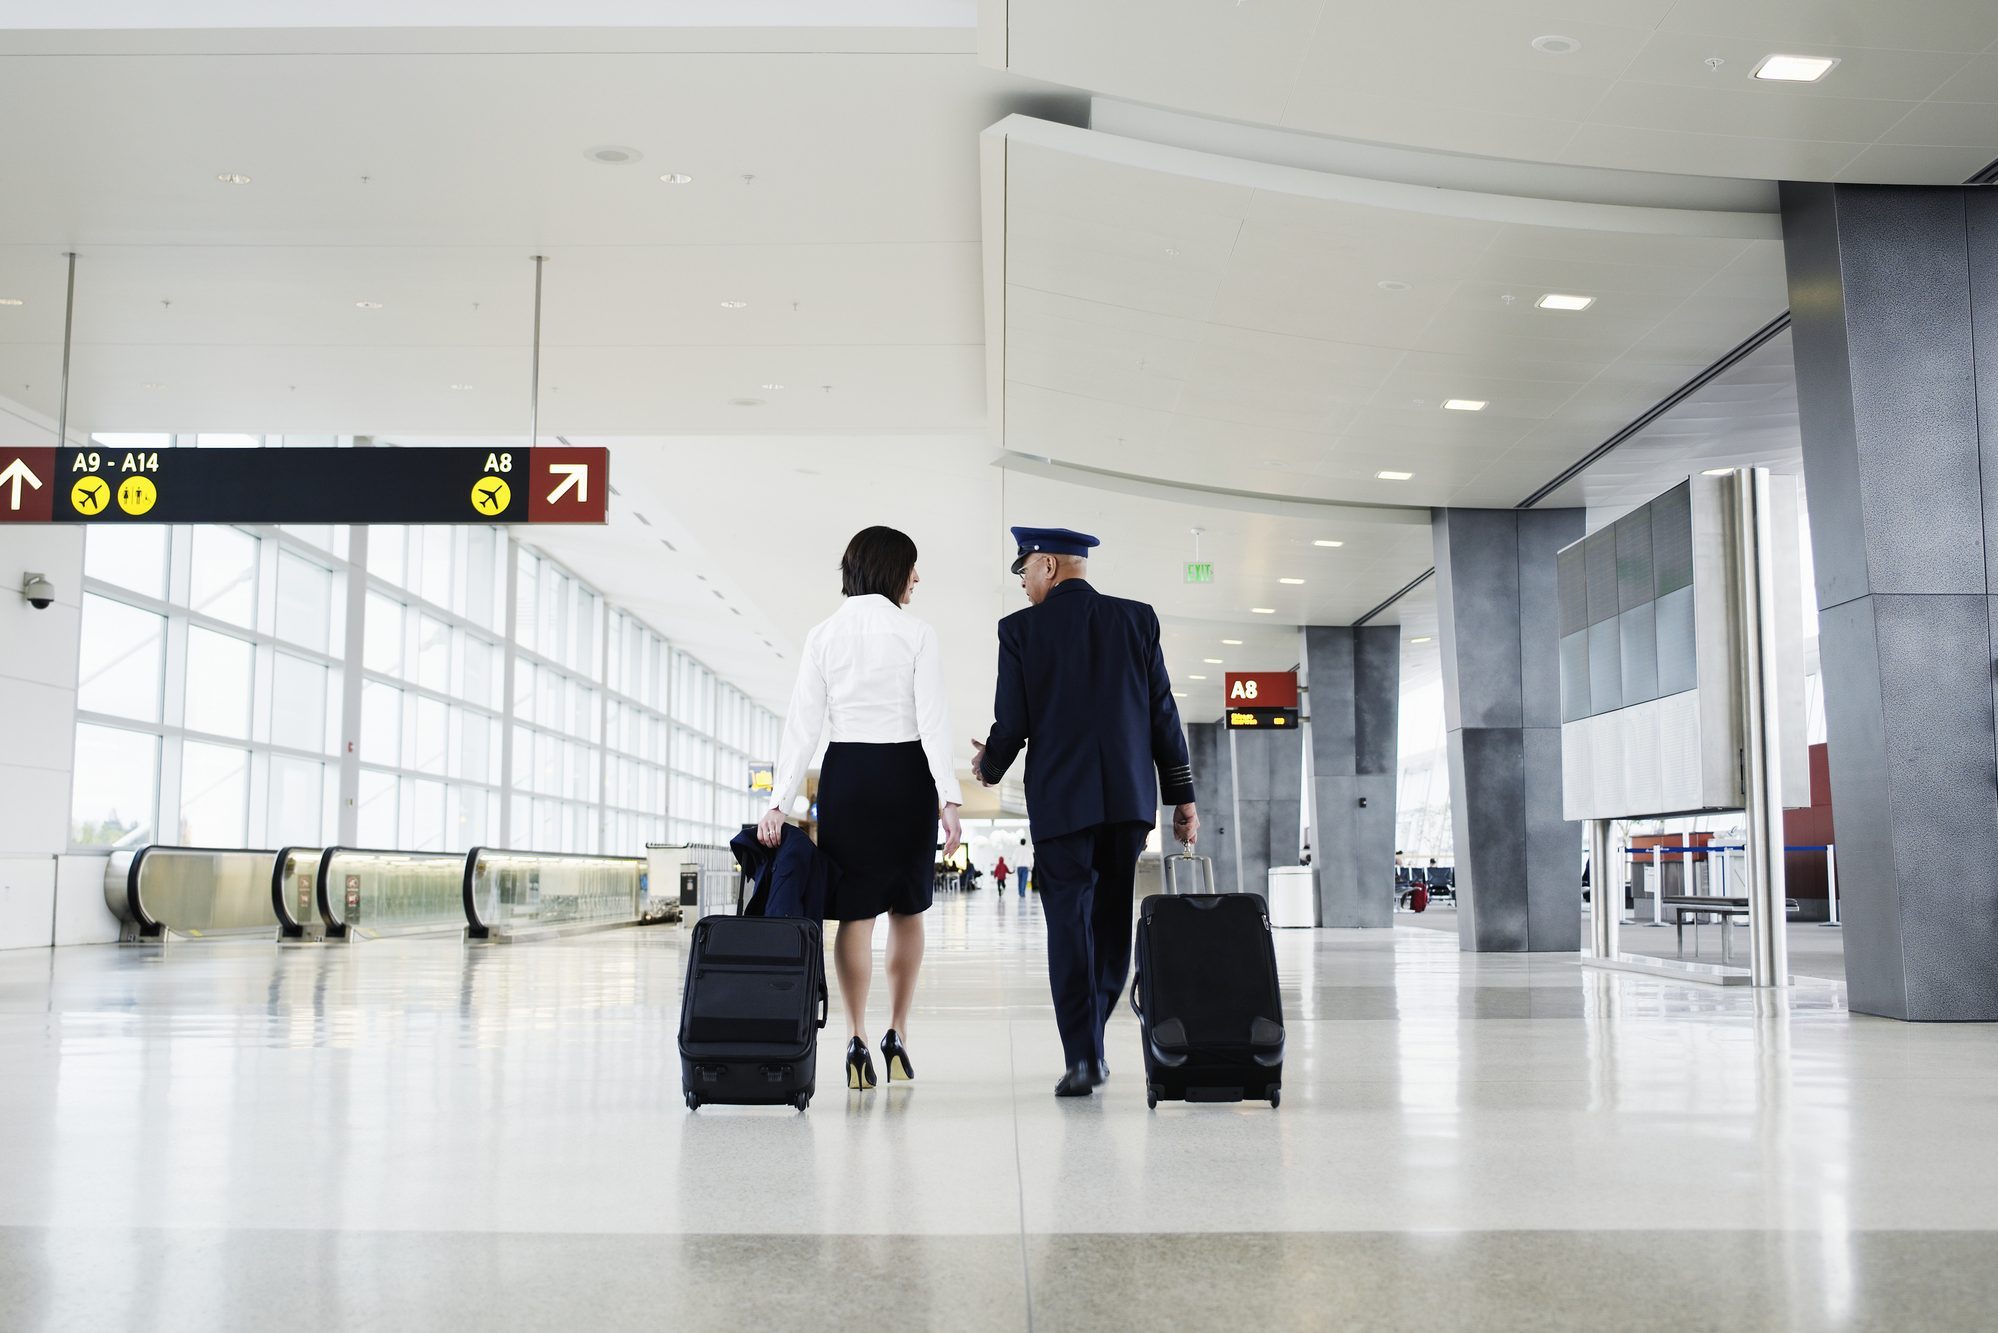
pixel 1256 690
pixel 27 484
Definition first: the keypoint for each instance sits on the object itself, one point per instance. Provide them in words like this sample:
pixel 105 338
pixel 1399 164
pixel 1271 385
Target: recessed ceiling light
pixel 1179 694
pixel 461 388
pixel 10 300
pixel 1718 472
pixel 1211 661
pixel 773 388
pixel 746 402
pixel 1463 404
pixel 154 384
pixel 1392 285
pixel 612 155
pixel 677 178
pixel 233 178
pixel 1395 476
pixel 1423 639
pixel 734 305
pixel 1557 301
pixel 1292 582
pixel 1232 643
pixel 1554 44
pixel 1196 678
pixel 1327 543
pixel 1263 610
pixel 1795 69
pixel 367 305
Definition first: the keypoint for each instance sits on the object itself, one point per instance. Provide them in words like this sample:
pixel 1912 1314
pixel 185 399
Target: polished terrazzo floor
pixel 417 1135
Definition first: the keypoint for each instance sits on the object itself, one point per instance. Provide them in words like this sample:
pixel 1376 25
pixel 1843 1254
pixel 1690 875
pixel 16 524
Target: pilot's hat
pixel 1050 541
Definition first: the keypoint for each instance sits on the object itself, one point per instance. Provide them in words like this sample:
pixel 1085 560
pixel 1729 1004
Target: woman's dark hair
pixel 878 561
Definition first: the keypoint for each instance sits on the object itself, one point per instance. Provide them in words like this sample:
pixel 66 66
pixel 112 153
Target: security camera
pixel 39 591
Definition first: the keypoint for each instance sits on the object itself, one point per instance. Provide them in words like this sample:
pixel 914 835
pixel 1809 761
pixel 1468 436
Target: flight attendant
pixel 872 675
pixel 1083 688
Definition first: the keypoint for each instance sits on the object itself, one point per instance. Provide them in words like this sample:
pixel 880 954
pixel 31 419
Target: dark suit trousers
pixel 1086 880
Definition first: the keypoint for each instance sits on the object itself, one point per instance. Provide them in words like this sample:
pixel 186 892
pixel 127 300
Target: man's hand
pixel 770 831
pixel 1186 824
pixel 978 762
pixel 953 830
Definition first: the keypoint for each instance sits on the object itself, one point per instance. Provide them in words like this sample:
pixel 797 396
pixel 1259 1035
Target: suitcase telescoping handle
pixel 825 1003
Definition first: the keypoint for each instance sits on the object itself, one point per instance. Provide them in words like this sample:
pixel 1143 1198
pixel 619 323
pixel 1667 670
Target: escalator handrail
pixel 479 930
pixel 148 927
pixel 337 929
pixel 289 928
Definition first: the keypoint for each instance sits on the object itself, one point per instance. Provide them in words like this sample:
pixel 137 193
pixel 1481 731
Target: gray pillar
pixel 1268 768
pixel 1894 293
pixel 1355 676
pixel 1519 872
pixel 1214 794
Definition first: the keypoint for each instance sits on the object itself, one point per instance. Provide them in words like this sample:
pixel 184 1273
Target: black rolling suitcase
pixel 751 1012
pixel 1207 1000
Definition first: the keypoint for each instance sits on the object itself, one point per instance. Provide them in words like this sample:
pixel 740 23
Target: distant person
pixel 1083 689
pixel 1023 867
pixel 999 875
pixel 873 675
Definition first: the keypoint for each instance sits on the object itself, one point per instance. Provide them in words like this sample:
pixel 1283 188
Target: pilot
pixel 1082 677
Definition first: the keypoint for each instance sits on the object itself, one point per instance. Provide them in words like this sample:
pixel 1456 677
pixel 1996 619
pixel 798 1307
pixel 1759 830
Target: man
pixel 1081 676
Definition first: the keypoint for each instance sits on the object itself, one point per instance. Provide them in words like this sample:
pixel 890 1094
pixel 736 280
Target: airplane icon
pixel 492 496
pixel 89 495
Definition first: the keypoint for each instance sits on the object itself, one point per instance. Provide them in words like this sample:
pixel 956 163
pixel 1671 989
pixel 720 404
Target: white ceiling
pixel 1914 99
pixel 424 179
pixel 1177 314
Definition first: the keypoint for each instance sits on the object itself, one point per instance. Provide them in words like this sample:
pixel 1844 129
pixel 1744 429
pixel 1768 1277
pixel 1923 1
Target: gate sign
pixel 1259 691
pixel 384 485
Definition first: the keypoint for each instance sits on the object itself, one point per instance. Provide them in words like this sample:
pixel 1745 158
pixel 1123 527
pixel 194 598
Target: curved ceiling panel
pixel 1650 85
pixel 1218 323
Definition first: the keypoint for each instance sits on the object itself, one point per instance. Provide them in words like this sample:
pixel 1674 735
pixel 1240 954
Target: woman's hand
pixel 953 830
pixel 770 831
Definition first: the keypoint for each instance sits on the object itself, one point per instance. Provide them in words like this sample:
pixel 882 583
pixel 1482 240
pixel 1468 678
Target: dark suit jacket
pixel 794 878
pixel 1081 676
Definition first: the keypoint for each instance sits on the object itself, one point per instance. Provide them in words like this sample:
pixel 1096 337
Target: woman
pixel 873 676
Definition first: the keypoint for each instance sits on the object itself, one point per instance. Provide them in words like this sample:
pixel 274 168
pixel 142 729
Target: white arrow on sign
pixel 16 473
pixel 578 481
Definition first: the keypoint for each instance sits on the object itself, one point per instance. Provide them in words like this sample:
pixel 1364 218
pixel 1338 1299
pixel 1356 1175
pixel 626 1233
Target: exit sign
pixel 1199 573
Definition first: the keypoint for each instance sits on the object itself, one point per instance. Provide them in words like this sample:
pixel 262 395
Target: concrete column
pixel 1355 675
pixel 1268 769
pixel 1894 294
pixel 1518 862
pixel 38 671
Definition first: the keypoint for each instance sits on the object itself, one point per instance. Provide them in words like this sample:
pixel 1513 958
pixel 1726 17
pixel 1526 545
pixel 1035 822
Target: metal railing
pixel 375 892
pixel 509 895
pixel 294 875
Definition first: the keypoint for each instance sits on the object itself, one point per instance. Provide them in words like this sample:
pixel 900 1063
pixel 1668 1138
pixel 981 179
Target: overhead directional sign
pixel 104 485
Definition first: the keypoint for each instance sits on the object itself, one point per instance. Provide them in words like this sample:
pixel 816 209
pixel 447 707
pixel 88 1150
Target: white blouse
pixel 872 675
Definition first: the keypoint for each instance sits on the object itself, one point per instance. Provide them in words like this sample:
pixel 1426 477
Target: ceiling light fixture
pixel 1795 69
pixel 10 300
pixel 367 305
pixel 1327 543
pixel 461 388
pixel 734 305
pixel 1393 285
pixel 1395 476
pixel 1464 404
pixel 1211 661
pixel 154 384
pixel 1292 582
pixel 1179 694
pixel 1554 44
pixel 612 155
pixel 1423 639
pixel 233 178
pixel 1196 678
pixel 1557 301
pixel 1262 610
pixel 677 178
pixel 773 388
pixel 1232 643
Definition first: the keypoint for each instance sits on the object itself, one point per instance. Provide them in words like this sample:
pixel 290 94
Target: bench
pixel 1681 904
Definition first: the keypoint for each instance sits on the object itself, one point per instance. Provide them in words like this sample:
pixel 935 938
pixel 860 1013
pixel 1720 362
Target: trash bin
pixel 1293 896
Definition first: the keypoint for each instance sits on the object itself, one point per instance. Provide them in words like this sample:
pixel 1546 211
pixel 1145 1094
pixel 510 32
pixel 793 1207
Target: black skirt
pixel 878 824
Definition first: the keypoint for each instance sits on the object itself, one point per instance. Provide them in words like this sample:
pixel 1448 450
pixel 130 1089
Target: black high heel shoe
pixel 859 1066
pixel 896 1056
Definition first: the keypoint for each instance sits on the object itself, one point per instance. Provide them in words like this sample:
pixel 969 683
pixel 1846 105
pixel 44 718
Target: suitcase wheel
pixel 693 1101
pixel 802 1100
pixel 1276 1096
pixel 1151 1097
